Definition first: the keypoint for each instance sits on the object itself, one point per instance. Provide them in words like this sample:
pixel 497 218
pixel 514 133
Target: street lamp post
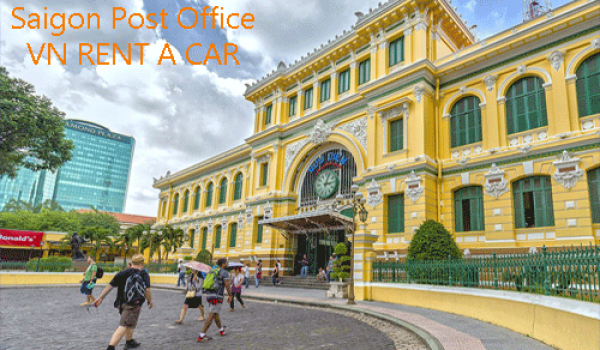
pixel 358 207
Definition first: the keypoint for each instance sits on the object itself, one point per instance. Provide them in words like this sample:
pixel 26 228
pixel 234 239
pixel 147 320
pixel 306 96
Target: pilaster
pixel 353 77
pixel 300 102
pixel 363 262
pixel 561 115
pixel 408 46
pixel 334 83
pixel 490 124
pixel 316 95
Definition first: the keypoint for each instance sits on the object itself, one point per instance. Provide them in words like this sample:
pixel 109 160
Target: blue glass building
pixel 97 175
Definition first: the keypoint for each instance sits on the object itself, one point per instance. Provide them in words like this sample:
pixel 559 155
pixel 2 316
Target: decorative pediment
pixel 556 58
pixel 567 170
pixel 320 133
pixel 240 221
pixel 374 195
pixel 249 216
pixel 413 187
pixel 495 183
pixel 268 211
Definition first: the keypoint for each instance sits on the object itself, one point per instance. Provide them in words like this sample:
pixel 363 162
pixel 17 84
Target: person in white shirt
pixel 247 275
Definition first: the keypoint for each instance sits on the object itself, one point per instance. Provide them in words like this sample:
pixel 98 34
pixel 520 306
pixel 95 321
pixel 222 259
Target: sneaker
pixel 222 333
pixel 131 344
pixel 203 339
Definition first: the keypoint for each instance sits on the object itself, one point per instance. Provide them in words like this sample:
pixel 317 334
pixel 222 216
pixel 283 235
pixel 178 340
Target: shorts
pixel 84 289
pixel 193 302
pixel 129 316
pixel 214 305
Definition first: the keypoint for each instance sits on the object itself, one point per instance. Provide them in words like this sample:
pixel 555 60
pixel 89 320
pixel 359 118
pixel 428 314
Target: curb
pixel 430 341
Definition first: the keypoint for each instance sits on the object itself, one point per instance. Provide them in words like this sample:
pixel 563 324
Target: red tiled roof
pixel 125 218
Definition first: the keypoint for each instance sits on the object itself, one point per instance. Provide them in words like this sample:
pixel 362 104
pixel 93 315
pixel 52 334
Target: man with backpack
pixel 133 290
pixel 214 285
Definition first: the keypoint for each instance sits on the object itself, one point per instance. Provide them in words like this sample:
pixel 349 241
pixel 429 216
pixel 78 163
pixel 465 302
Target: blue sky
pixel 181 115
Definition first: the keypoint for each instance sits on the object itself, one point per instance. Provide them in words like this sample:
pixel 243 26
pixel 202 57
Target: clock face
pixel 326 184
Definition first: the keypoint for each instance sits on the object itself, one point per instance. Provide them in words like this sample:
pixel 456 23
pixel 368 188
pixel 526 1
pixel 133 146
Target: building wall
pixel 441 65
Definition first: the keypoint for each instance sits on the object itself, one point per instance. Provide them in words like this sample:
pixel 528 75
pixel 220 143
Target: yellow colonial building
pixel 498 139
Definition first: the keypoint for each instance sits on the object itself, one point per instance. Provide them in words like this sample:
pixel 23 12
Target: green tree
pixel 133 235
pixel 433 242
pixel 204 256
pixel 153 240
pixel 33 131
pixel 341 266
pixel 14 205
pixel 98 237
pixel 172 240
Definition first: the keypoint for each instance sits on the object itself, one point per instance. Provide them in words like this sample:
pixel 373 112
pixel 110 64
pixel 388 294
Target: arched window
pixel 204 237
pixel 186 201
pixel 588 86
pixel 465 121
pixel 209 195
pixel 594 185
pixel 237 191
pixel 218 237
pixel 223 191
pixel 526 105
pixel 232 234
pixel 533 202
pixel 468 209
pixel 176 204
pixel 197 198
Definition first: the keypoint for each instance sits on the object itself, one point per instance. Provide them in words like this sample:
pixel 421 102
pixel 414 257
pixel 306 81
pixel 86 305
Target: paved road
pixel 50 318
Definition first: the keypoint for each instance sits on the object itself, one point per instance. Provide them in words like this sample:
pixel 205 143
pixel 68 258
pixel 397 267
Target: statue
pixel 76 242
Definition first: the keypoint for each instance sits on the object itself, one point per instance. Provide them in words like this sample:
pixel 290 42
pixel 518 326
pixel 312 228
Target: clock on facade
pixel 326 183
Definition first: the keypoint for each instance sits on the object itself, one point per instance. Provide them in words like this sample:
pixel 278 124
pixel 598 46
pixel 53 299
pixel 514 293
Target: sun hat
pixel 137 259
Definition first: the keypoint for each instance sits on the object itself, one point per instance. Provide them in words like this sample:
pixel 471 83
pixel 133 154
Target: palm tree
pixel 132 235
pixel 174 238
pixel 98 236
pixel 152 240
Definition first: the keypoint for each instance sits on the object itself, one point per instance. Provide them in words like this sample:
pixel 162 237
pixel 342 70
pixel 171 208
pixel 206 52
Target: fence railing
pixel 41 265
pixel 568 272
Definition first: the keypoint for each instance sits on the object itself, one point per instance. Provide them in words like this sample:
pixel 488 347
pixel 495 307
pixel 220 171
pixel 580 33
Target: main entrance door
pixel 318 247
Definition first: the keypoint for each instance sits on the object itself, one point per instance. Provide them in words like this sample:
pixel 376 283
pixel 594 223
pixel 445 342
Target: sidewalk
pixel 439 329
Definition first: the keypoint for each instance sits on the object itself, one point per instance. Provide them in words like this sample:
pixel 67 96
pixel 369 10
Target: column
pixel 256 118
pixel 373 135
pixel 490 119
pixel 277 110
pixel 353 77
pixel 420 39
pixel 316 95
pixel 300 102
pixel 334 81
pixel 363 262
pixel 560 118
pixel 408 46
pixel 572 101
pixel 373 59
pixel 501 117
pixel 383 59
pixel 284 113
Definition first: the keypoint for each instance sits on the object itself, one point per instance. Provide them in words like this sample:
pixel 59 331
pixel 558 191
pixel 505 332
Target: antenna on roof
pixel 534 8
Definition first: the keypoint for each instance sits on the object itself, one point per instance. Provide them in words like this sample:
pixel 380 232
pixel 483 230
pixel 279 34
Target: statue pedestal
pixel 338 290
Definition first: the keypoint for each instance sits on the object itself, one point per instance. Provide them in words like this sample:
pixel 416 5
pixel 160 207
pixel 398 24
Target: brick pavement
pixel 50 318
pixel 453 332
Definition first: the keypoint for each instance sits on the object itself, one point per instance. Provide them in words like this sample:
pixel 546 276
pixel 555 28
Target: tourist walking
pixel 181 270
pixel 275 274
pixel 247 275
pixel 193 296
pixel 89 281
pixel 258 275
pixel 215 283
pixel 133 289
pixel 279 271
pixel 236 289
pixel 304 263
pixel 332 258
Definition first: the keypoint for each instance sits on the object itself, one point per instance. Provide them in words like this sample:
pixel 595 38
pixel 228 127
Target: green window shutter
pixel 237 191
pixel 233 235
pixel 186 199
pixel 209 194
pixel 308 97
pixel 325 90
pixel 218 237
pixel 533 202
pixel 223 192
pixel 396 52
pixel 468 203
pixel 259 233
pixel 268 114
pixel 588 86
pixel 594 187
pixel 344 81
pixel 526 105
pixel 292 106
pixel 192 238
pixel 204 237
pixel 176 204
pixel 197 199
pixel 264 173
pixel 396 213
pixel 465 122
pixel 396 135
pixel 364 71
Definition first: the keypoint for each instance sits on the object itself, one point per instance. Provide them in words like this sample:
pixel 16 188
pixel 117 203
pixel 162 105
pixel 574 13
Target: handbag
pixel 190 294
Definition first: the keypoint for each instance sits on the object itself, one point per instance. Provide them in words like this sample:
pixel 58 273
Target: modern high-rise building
pixel 96 176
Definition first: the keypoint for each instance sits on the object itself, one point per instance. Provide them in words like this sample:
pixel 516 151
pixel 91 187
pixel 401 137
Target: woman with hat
pixel 193 296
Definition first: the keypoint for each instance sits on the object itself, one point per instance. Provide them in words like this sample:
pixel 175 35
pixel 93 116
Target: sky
pixel 182 114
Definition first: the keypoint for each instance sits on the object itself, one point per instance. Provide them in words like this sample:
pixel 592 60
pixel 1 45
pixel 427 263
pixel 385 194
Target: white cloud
pixel 471 5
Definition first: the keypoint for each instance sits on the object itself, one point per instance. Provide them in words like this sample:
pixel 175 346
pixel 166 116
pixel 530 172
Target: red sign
pixel 20 238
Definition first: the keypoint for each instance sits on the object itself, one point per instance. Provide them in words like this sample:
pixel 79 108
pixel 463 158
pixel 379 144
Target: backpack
pixel 135 289
pixel 210 281
pixel 99 272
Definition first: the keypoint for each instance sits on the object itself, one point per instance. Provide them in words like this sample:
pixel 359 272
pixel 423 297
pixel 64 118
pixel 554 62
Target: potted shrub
pixel 341 272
